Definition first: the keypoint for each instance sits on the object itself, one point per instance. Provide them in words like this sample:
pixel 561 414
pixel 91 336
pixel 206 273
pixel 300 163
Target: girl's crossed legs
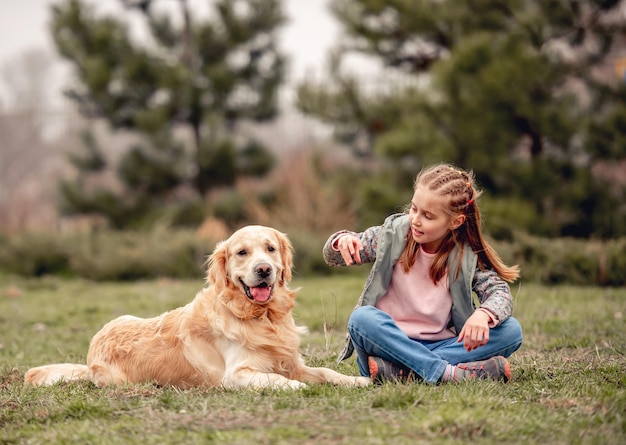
pixel 374 333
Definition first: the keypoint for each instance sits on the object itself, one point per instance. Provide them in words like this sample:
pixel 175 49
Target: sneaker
pixel 496 368
pixel 382 371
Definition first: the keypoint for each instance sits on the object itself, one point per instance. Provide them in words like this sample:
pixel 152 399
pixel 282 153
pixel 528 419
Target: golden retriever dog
pixel 238 332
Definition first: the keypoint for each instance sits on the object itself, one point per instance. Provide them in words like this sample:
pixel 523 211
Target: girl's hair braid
pixel 456 184
pixel 460 189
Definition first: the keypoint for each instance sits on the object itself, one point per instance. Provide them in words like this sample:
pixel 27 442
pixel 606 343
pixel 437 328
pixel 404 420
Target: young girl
pixel 416 317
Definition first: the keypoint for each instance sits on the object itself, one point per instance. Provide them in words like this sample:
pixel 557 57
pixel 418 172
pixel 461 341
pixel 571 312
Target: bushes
pixel 308 258
pixel 107 255
pixel 567 260
pixel 34 254
pixel 614 271
pixel 132 255
pixel 165 252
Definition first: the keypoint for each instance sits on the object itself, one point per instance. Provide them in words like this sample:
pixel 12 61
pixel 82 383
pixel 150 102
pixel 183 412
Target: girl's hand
pixel 349 246
pixel 475 332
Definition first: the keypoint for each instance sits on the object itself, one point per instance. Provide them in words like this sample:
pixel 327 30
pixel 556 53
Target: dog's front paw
pixel 353 382
pixel 293 384
pixel 362 381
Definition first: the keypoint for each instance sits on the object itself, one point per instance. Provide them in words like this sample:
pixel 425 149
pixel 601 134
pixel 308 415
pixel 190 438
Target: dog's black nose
pixel 263 270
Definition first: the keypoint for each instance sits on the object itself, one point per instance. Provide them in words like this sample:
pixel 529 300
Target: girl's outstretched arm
pixel 350 247
pixel 364 245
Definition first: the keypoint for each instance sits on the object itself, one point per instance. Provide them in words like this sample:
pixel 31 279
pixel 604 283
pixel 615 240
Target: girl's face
pixel 430 223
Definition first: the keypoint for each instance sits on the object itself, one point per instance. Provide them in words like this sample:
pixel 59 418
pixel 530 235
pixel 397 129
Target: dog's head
pixel 257 260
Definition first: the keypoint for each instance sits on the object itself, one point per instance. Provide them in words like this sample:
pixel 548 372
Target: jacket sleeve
pixel 369 239
pixel 493 293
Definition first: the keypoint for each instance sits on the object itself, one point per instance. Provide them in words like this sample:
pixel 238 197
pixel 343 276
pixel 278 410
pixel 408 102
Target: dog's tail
pixel 50 374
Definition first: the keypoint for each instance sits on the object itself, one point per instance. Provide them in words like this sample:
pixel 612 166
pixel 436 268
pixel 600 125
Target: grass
pixel 568 383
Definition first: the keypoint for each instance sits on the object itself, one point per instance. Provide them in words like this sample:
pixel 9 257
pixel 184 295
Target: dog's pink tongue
pixel 260 294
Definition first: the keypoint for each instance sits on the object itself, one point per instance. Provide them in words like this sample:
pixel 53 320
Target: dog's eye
pixel 242 252
pixel 271 248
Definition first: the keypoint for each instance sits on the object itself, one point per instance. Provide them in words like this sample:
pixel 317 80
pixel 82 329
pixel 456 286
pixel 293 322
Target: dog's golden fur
pixel 237 332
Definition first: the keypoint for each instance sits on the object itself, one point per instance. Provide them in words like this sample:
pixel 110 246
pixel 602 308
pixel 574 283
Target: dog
pixel 238 332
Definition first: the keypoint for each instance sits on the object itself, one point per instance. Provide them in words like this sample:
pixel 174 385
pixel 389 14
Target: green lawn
pixel 569 378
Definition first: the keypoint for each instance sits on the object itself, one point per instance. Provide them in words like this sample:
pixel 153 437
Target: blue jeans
pixel 375 333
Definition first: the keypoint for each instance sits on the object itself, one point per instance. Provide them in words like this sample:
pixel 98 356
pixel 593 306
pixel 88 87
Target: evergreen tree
pixel 202 74
pixel 523 92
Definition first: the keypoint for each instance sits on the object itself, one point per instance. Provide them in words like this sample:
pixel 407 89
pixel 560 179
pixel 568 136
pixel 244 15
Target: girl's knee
pixel 363 317
pixel 513 328
pixel 511 336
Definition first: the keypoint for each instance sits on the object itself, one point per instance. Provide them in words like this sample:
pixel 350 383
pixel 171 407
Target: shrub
pixel 567 260
pixel 614 272
pixel 135 255
pixel 308 254
pixel 33 254
pixel 182 253
pixel 107 255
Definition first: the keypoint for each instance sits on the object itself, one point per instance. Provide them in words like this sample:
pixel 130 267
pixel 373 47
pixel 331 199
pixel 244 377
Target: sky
pixel 309 32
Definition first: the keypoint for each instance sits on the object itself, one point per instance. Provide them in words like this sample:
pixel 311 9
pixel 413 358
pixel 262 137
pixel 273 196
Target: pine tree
pixel 199 74
pixel 523 92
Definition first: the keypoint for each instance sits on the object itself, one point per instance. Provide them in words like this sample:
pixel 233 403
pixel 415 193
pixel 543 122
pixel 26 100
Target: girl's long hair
pixel 459 187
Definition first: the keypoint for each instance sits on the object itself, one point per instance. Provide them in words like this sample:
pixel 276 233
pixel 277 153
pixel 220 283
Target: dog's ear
pixel 216 270
pixel 286 256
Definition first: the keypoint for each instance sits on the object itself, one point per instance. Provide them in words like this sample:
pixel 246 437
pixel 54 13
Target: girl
pixel 416 317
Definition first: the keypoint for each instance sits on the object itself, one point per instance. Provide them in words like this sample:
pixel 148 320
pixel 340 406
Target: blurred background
pixel 134 134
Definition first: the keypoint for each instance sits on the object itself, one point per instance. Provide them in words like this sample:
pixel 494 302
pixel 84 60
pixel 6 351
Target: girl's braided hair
pixel 459 187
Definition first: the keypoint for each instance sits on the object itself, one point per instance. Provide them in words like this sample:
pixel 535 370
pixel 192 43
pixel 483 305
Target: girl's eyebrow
pixel 423 210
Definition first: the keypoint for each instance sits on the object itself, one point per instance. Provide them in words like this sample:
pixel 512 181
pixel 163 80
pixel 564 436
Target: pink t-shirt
pixel 420 308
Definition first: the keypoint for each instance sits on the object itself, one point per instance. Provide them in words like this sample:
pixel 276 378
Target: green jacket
pixel 383 246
